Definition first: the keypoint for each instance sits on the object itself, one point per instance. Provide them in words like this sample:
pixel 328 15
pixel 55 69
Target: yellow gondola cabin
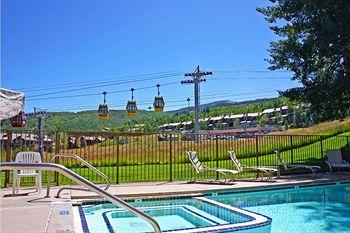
pixel 158 103
pixel 103 109
pixel 131 107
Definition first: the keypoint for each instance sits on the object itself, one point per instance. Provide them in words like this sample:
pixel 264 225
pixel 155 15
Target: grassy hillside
pixel 119 121
pixel 88 120
pixel 326 128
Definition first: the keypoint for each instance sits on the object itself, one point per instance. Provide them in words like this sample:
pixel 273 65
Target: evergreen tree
pixel 315 46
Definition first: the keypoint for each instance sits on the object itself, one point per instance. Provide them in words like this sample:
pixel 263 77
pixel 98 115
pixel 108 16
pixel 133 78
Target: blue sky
pixel 56 46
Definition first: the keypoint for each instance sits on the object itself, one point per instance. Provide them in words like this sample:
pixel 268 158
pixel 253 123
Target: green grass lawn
pixel 309 154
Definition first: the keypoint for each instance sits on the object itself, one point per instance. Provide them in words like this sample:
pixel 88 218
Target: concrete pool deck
pixel 32 212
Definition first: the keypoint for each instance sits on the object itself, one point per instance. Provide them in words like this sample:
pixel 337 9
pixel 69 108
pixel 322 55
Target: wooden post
pixel 257 153
pixel 217 155
pixel 57 151
pixel 291 148
pixel 321 145
pixel 8 155
pixel 117 165
pixel 170 159
pixel 257 149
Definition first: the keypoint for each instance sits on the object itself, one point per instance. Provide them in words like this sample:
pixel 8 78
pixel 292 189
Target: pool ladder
pixel 82 181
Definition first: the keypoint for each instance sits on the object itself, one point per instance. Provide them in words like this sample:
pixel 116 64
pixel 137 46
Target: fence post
pixel 170 159
pixel 291 148
pixel 8 155
pixel 217 155
pixel 257 149
pixel 117 165
pixel 321 145
pixel 57 151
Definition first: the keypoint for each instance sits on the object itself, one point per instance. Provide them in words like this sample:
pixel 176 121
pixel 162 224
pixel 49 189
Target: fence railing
pixel 147 157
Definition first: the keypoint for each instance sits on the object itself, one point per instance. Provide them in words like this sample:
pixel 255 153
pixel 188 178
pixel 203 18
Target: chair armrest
pixel 210 168
pixel 329 165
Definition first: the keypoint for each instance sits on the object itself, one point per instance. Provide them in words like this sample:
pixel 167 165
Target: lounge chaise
pixel 335 160
pixel 291 167
pixel 200 168
pixel 266 170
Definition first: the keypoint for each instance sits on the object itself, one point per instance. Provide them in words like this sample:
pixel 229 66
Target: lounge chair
pixel 267 170
pixel 27 157
pixel 335 160
pixel 200 168
pixel 291 167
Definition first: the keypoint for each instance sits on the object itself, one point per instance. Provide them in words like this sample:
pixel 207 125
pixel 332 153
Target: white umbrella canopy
pixel 11 103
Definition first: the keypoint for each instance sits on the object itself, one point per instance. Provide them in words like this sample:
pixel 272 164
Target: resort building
pixel 275 116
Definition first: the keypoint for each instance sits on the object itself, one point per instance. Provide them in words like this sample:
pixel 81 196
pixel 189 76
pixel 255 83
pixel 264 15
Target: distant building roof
pixel 234 116
pixel 169 125
pixel 271 110
pixel 217 118
pixel 174 124
pixel 253 114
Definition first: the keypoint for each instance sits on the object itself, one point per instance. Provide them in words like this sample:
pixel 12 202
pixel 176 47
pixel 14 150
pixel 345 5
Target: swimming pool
pixel 181 215
pixel 317 209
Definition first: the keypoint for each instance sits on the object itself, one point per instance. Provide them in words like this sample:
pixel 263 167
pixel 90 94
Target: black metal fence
pixel 147 157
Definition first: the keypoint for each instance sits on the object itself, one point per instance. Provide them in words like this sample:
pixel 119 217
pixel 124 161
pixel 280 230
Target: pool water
pixel 321 209
pixel 317 209
pixel 170 215
pixel 307 217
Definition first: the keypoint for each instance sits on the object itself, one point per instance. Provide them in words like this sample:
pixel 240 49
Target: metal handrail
pixel 82 181
pixel 72 188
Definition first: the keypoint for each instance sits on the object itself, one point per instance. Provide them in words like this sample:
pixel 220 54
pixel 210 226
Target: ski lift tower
pixel 196 79
pixel 41 115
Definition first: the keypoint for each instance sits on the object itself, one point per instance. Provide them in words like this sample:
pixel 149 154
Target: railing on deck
pixel 86 183
pixel 146 157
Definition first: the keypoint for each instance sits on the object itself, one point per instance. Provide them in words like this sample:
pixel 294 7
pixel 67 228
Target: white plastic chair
pixel 27 157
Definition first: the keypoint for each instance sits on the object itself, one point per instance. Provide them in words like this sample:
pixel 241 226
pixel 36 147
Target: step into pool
pixel 181 215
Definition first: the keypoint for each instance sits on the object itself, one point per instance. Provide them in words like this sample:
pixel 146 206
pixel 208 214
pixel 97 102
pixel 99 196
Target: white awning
pixel 11 103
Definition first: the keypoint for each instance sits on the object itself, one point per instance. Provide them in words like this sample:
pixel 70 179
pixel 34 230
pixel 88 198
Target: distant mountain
pixel 204 106
pixel 220 103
